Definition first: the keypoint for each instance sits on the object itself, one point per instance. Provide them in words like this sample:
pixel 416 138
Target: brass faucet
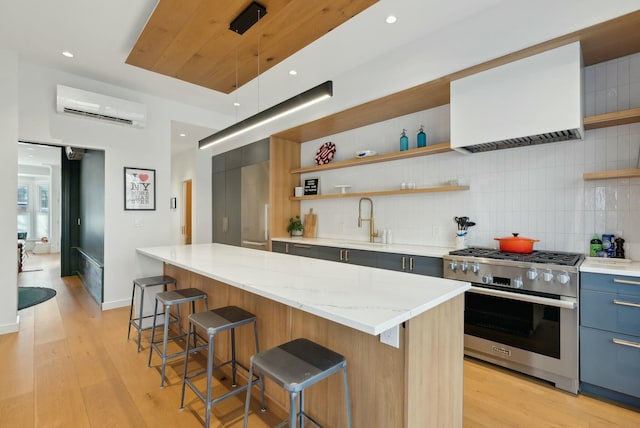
pixel 372 234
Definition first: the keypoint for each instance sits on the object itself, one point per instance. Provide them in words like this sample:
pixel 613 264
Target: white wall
pixel 8 186
pixel 537 191
pixel 123 146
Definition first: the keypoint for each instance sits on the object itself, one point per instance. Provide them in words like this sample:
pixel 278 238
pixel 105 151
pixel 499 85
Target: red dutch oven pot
pixel 516 244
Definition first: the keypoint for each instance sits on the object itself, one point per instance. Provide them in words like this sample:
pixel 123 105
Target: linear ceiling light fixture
pixel 298 102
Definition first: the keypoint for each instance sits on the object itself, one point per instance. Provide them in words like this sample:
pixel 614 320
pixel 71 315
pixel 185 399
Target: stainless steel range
pixel 521 311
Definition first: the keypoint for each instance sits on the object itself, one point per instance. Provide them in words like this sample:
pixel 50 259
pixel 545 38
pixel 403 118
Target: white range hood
pixel 534 100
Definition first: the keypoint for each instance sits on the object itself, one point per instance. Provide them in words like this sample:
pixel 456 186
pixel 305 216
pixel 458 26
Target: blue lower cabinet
pixel 610 362
pixel 610 337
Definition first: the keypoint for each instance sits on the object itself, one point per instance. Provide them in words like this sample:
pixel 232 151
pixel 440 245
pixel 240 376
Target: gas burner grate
pixel 545 257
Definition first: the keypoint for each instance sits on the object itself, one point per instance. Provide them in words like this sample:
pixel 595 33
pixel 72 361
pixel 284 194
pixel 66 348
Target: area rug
pixel 30 296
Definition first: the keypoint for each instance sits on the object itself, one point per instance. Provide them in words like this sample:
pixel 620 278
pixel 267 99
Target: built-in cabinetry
pixel 610 336
pixel 421 265
pixel 226 189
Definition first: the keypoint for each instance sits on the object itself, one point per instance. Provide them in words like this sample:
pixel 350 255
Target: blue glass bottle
pixel 422 137
pixel 404 141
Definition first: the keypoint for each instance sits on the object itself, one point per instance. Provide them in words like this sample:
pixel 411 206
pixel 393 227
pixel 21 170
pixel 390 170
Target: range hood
pixel 535 100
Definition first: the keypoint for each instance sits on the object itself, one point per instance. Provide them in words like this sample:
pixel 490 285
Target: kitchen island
pixel 343 307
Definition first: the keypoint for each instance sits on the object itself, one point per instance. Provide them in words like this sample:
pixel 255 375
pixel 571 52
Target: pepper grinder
pixel 619 252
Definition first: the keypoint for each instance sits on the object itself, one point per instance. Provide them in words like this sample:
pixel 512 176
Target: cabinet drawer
pixel 278 247
pixel 610 311
pixel 611 283
pixel 604 363
pixel 304 250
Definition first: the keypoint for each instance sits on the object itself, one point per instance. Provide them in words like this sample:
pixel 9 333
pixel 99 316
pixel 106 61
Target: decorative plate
pixel 325 153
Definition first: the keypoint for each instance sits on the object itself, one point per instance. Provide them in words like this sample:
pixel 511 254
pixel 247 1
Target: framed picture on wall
pixel 139 189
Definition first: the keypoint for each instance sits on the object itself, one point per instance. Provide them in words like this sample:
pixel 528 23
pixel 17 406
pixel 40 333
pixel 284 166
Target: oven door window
pixel 529 326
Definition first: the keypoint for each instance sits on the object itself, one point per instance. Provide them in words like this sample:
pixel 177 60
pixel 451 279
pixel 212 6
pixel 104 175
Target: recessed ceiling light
pixel 391 19
pixel 182 134
pixel 67 54
pixel 236 104
pixel 293 72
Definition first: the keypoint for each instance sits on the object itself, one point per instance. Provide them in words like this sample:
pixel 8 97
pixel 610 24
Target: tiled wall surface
pixel 536 191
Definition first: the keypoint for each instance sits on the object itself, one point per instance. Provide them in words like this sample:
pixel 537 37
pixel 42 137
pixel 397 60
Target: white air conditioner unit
pixel 102 107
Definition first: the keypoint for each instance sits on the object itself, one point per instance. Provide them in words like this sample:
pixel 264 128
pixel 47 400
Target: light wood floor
pixel 72 366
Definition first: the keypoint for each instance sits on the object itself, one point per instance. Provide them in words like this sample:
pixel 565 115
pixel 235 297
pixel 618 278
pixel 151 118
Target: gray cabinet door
pixel 360 257
pixel 233 209
pixel 219 204
pixel 423 265
pixel 347 255
pixel 279 247
pixel 420 265
pixel 330 253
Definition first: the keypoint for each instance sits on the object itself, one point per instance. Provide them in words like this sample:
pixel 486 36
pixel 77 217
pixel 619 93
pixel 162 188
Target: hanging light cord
pixel 237 104
pixel 259 37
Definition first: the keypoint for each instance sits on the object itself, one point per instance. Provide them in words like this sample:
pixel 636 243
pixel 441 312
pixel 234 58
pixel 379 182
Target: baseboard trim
pixel 11 328
pixel 115 304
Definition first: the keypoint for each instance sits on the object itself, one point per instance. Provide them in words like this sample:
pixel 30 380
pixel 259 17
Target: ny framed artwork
pixel 139 189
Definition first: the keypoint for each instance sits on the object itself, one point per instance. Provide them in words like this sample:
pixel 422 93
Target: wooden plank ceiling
pixel 190 39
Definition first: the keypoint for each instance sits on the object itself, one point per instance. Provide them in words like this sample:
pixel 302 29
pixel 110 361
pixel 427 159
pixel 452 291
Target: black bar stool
pixel 213 322
pixel 142 284
pixel 295 366
pixel 168 299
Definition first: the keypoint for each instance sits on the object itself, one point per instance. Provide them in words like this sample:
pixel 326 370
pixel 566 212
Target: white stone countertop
pixel 367 299
pixel 414 250
pixel 611 266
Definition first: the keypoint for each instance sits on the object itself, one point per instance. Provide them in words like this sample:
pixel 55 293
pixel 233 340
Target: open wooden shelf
pixel 405 154
pixel 616 173
pixel 381 193
pixel 622 117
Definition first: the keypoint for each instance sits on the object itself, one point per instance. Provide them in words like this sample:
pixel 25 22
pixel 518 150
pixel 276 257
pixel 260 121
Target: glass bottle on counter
pixel 595 247
pixel 404 141
pixel 422 137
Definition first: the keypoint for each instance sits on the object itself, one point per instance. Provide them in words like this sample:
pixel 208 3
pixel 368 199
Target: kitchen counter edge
pixel 611 267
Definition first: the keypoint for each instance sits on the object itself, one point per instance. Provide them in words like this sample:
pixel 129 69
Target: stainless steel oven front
pixel 521 315
pixel 533 334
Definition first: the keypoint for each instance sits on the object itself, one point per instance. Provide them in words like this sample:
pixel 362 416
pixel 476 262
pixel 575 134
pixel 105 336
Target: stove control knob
pixel 517 282
pixel 547 276
pixel 563 277
pixel 464 266
pixel 532 274
pixel 453 265
pixel 475 268
pixel 487 279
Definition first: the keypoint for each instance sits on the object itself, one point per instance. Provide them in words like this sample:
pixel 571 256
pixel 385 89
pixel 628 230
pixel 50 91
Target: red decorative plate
pixel 325 153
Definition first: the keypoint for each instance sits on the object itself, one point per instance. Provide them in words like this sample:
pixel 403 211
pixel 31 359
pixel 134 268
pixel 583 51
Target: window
pixel 33 208
pixel 43 189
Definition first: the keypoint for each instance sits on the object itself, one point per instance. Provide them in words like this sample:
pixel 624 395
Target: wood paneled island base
pixel 418 385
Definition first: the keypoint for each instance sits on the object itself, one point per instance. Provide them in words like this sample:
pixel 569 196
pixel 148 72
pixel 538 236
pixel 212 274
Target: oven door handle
pixel 562 304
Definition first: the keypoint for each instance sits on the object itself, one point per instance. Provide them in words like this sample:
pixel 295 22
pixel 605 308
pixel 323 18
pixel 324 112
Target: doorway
pixel 187 211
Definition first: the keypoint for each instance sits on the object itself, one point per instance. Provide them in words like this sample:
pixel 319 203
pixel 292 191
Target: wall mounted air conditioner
pixel 102 107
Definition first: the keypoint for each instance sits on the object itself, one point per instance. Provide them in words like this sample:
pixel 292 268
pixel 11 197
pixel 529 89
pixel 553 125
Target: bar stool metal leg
pixel 133 293
pixel 153 332
pixel 216 321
